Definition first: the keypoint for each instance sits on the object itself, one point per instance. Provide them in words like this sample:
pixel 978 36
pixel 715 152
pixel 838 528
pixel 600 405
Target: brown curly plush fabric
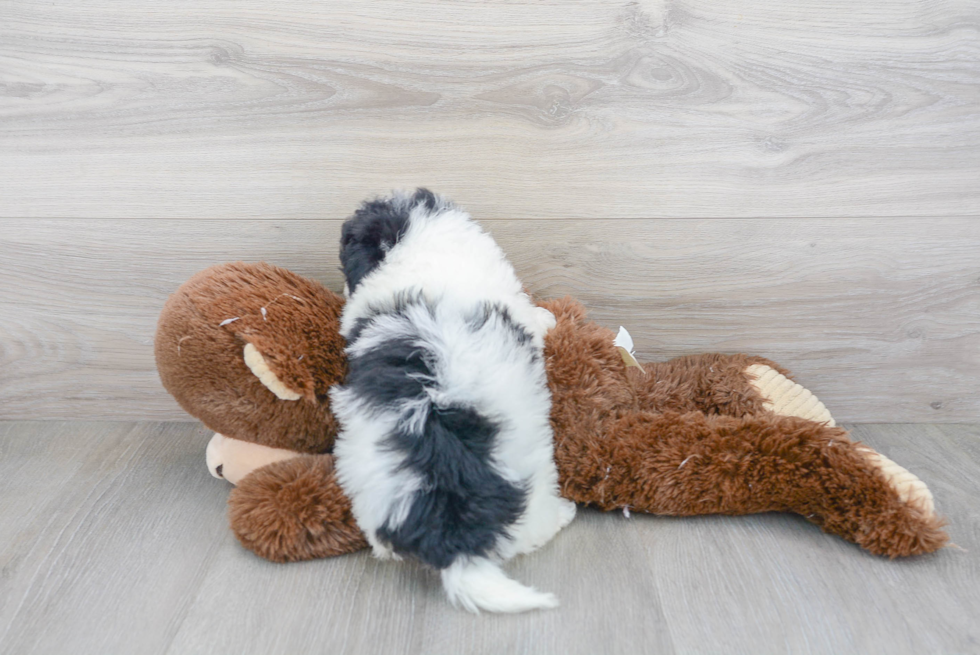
pixel 294 510
pixel 294 323
pixel 684 437
pixel 690 436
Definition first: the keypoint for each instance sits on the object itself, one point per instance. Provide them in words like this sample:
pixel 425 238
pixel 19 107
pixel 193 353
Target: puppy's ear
pixel 368 235
pixel 377 227
pixel 427 199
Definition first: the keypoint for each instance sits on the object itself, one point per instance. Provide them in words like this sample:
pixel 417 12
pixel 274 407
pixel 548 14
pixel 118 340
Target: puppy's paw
pixel 566 512
pixel 546 320
pixel 384 552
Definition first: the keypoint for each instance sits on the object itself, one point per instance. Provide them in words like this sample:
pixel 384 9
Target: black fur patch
pixel 395 307
pixel 425 197
pixel 395 371
pixel 359 326
pixel 464 506
pixel 375 228
pixel 367 236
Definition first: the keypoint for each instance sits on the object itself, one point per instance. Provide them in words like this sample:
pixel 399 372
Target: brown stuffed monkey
pixel 251 349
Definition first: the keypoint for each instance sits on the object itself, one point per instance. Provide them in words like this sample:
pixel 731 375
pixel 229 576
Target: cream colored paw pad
pixel 909 488
pixel 787 398
pixel 256 364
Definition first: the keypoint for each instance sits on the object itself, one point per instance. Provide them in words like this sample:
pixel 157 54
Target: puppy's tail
pixel 478 583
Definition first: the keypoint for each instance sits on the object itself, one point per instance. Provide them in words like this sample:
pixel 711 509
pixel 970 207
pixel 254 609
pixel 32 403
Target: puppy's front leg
pixel 541 322
pixel 546 320
pixel 381 550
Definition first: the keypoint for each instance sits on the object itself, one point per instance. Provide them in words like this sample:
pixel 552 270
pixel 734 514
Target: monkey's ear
pixel 261 369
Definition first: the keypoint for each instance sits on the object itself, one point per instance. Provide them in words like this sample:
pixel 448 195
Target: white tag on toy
pixel 624 344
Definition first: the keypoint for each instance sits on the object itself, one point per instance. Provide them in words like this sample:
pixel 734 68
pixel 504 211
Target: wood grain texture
pixel 553 109
pixel 107 530
pixel 880 318
pixel 113 538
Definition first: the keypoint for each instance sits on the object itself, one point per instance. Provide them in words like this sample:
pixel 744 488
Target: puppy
pixel 446 447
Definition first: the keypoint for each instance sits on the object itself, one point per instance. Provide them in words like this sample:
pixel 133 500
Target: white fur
pixel 480 584
pixel 367 472
pixel 447 257
pixel 457 268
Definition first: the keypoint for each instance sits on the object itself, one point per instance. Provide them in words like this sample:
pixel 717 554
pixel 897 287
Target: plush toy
pixel 251 349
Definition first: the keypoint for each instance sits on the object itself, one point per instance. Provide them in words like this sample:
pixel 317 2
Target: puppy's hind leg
pixel 380 549
pixel 566 512
pixel 547 513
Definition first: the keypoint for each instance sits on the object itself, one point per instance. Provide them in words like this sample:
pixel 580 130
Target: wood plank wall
pixel 798 180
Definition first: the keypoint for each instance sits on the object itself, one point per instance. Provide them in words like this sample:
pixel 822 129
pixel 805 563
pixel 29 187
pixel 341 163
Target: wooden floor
pixel 113 539
pixel 797 180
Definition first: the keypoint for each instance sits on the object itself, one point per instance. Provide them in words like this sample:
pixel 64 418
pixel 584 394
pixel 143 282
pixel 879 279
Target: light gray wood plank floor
pixel 113 539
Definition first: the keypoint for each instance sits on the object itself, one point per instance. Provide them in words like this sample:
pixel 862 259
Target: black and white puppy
pixel 446 447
